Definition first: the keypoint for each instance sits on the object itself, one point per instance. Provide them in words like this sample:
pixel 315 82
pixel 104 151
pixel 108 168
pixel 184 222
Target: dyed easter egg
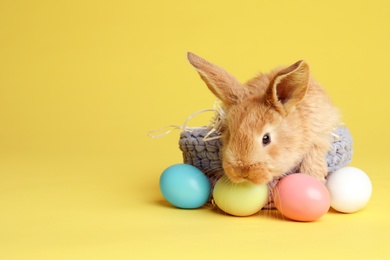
pixel 301 197
pixel 239 199
pixel 185 186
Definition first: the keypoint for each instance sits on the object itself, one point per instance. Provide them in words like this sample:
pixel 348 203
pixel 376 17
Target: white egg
pixel 350 189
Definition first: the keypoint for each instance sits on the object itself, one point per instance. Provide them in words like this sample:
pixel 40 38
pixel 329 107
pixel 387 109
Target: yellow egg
pixel 239 199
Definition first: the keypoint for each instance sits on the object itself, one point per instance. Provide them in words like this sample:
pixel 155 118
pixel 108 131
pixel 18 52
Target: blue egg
pixel 185 186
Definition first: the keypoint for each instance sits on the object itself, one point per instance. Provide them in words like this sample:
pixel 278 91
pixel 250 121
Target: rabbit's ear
pixel 223 85
pixel 289 87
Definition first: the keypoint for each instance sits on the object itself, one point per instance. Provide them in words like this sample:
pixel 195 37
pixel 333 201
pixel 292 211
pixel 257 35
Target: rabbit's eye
pixel 266 139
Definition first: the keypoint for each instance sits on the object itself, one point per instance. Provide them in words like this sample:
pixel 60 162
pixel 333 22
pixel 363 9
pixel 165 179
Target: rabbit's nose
pixel 244 174
pixel 241 171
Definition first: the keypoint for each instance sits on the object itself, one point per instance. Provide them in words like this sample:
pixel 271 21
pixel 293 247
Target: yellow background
pixel 82 82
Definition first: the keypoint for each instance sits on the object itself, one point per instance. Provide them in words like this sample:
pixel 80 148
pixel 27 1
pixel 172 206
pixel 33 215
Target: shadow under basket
pixel 205 154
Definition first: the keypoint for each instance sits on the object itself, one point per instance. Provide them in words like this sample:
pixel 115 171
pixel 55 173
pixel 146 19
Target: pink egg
pixel 301 197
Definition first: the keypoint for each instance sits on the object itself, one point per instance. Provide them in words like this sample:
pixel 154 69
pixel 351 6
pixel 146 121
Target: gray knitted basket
pixel 205 155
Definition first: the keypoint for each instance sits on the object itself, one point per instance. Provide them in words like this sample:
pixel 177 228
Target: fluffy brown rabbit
pixel 274 123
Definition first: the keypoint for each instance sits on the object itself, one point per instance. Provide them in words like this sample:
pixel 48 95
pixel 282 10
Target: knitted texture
pixel 204 155
pixel 340 154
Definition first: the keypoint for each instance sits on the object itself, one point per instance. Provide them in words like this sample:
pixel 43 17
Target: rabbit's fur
pixel 274 123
